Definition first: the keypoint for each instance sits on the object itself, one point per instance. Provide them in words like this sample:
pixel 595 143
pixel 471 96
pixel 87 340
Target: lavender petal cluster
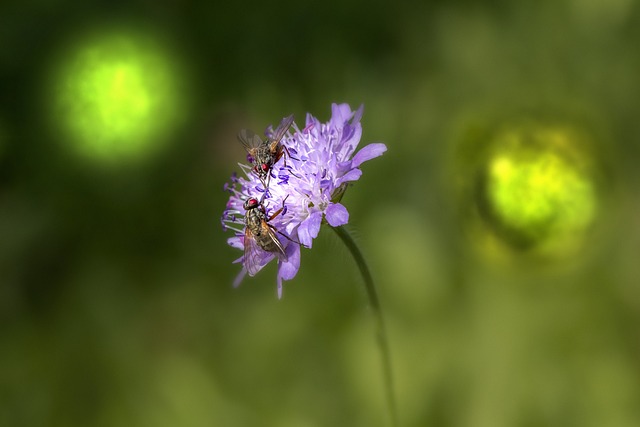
pixel 307 183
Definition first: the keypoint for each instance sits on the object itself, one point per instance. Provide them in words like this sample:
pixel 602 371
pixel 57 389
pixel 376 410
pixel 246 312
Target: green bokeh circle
pixel 117 96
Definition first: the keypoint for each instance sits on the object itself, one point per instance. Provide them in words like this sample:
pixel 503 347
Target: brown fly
pixel 259 235
pixel 264 154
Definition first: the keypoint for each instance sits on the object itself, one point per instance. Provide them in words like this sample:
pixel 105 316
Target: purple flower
pixel 307 183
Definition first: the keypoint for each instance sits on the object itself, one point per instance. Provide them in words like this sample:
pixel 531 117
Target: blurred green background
pixel 501 226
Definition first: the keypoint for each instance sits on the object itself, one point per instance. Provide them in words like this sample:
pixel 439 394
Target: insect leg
pixel 286 237
pixel 276 213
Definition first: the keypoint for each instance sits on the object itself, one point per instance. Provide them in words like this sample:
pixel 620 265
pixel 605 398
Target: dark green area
pixel 116 305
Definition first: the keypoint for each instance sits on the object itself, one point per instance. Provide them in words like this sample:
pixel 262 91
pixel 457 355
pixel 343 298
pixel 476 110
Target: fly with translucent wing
pixel 264 154
pixel 259 235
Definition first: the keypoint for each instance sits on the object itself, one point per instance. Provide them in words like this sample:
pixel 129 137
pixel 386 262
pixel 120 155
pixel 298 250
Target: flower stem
pixel 381 334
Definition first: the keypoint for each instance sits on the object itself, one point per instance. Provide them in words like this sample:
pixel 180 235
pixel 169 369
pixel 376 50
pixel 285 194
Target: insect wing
pixel 252 253
pixel 274 241
pixel 249 140
pixel 284 126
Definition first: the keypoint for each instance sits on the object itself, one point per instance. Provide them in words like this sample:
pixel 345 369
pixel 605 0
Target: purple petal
pixel 352 175
pixel 311 122
pixel 342 168
pixel 287 270
pixel 351 133
pixel 279 286
pixel 369 152
pixel 357 115
pixel 309 228
pixel 239 277
pixel 351 138
pixel 336 215
pixel 348 142
pixel 340 114
pixel 235 242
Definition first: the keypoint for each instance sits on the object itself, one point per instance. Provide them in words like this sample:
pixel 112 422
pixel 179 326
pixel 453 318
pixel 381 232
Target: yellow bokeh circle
pixel 537 187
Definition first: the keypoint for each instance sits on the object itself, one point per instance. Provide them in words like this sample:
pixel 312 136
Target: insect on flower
pixel 324 161
pixel 264 154
pixel 259 235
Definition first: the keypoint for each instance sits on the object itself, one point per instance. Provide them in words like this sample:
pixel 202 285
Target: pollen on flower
pixel 321 161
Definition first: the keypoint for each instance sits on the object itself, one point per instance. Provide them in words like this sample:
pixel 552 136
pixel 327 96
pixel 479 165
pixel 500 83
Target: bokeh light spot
pixel 117 97
pixel 540 191
pixel 538 188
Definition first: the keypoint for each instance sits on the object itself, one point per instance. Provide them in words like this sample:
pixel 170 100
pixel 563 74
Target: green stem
pixel 381 334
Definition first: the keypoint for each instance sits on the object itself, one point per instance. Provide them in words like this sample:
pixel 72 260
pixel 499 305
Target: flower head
pixel 304 187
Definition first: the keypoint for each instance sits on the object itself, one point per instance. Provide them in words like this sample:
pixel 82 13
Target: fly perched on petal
pixel 321 162
pixel 259 235
pixel 263 155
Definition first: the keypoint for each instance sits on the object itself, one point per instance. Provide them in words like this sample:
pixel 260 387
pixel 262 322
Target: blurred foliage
pixel 115 300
